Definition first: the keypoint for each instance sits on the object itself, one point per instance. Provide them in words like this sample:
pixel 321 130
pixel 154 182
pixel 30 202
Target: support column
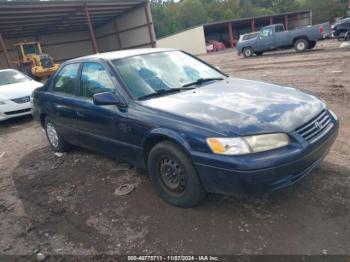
pixel 298 20
pixel 91 29
pixel 230 34
pixel 286 22
pixel 253 25
pixel 271 20
pixel 4 49
pixel 310 17
pixel 149 24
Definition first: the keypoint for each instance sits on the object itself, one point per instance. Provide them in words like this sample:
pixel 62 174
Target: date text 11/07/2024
pixel 173 258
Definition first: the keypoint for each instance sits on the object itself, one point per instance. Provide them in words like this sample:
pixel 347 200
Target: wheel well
pixel 42 119
pixel 154 140
pixel 300 37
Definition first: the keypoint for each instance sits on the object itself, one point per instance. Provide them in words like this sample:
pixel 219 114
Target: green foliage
pixel 325 10
pixel 173 16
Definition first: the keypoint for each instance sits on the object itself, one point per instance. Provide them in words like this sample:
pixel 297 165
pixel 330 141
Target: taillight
pixel 321 29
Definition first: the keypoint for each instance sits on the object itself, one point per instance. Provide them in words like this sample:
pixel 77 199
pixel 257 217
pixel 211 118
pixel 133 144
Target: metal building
pixel 69 29
pixel 193 40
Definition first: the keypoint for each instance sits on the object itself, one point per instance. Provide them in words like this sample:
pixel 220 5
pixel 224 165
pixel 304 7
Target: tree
pixel 228 14
pixel 191 13
pixel 324 11
pixel 173 16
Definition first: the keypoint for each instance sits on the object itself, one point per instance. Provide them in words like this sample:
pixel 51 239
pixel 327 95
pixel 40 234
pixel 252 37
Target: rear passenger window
pixel 95 79
pixel 66 79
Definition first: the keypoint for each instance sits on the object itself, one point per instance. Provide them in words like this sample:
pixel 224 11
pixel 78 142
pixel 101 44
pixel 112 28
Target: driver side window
pixel 95 79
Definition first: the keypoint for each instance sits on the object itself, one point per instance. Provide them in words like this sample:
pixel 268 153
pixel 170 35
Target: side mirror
pixel 107 98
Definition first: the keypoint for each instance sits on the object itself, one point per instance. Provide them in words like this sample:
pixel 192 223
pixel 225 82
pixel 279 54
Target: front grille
pixel 21 100
pixel 46 62
pixel 17 112
pixel 316 127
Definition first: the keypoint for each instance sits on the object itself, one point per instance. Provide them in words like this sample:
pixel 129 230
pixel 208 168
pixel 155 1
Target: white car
pixel 15 91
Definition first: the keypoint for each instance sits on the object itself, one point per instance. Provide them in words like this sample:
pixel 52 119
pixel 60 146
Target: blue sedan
pixel 195 129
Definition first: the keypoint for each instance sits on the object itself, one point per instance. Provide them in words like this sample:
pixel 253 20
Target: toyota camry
pixel 194 128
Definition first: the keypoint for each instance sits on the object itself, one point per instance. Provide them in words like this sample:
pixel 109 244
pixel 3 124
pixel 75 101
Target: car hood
pixel 241 107
pixel 17 90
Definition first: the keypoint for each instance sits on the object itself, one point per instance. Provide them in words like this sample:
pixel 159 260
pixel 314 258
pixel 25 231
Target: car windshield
pixel 11 77
pixel 163 72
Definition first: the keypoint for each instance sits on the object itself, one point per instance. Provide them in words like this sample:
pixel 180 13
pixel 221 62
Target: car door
pixel 62 100
pixel 267 40
pixel 102 128
pixel 282 37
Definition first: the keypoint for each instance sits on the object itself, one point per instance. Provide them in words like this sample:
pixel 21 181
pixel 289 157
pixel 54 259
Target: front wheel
pixel 173 175
pixel 301 45
pixel 248 52
pixel 58 144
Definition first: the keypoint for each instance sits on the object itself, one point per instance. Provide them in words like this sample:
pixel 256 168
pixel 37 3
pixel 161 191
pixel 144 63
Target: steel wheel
pixel 52 135
pixel 248 52
pixel 301 46
pixel 172 176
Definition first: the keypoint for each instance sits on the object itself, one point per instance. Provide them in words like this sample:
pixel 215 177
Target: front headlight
pixel 248 144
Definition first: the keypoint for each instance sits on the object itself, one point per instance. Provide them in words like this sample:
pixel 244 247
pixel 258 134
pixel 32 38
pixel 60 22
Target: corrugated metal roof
pixel 30 18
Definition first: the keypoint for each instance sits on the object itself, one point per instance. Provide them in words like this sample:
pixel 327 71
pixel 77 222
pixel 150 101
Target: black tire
pixel 301 45
pixel 248 52
pixel 259 53
pixel 342 36
pixel 312 44
pixel 173 175
pixel 61 145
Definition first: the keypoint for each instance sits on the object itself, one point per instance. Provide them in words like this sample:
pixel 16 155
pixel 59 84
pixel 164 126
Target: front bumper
pixel 219 178
pixel 12 109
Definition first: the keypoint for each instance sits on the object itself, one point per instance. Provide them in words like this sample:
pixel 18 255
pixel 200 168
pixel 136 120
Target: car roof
pixel 123 53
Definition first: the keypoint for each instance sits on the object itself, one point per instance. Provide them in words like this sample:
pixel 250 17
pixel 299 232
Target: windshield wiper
pixel 202 80
pixel 164 92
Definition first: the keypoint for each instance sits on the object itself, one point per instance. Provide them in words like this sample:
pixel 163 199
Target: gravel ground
pixel 66 205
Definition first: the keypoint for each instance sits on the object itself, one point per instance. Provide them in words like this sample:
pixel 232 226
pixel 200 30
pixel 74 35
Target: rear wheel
pixel 173 175
pixel 55 139
pixel 301 45
pixel 248 52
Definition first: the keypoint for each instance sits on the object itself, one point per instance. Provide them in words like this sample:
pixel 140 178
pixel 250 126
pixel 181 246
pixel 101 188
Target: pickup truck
pixel 275 37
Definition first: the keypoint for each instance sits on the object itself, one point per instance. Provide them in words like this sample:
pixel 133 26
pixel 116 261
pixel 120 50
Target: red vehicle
pixel 217 46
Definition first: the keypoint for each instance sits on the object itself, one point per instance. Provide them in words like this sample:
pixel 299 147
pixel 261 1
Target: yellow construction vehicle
pixel 33 62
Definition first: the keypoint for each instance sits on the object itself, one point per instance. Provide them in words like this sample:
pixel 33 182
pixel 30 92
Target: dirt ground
pixel 66 205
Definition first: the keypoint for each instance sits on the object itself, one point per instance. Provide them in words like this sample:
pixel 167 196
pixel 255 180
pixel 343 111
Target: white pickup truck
pixel 275 37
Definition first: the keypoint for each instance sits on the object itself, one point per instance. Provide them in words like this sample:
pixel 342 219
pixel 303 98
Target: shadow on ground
pixel 12 124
